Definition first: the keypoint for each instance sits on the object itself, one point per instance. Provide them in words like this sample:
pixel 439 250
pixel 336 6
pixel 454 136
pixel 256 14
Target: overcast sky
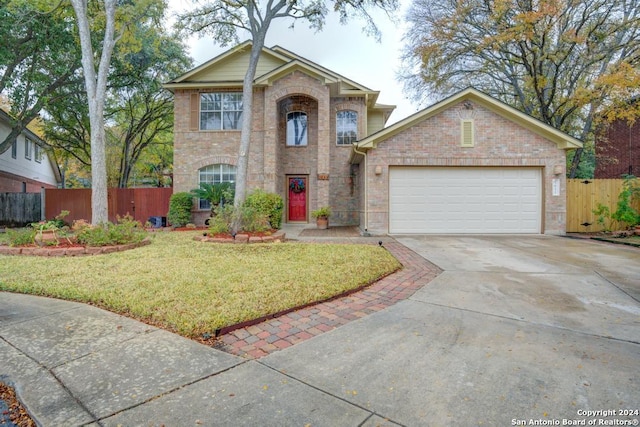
pixel 344 49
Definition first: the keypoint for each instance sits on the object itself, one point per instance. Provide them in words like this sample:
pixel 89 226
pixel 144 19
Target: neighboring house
pixel 618 150
pixel 25 167
pixel 469 164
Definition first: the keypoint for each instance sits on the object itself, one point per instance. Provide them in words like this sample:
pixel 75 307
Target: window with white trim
pixel 346 127
pixel 220 111
pixel 297 129
pixel 38 153
pixel 215 174
pixel 27 148
pixel 14 149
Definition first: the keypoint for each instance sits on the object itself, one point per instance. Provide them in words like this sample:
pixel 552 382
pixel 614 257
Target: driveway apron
pixel 534 329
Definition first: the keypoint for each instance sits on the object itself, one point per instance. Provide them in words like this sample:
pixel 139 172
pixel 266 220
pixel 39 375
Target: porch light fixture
pixel 378 170
pixel 557 170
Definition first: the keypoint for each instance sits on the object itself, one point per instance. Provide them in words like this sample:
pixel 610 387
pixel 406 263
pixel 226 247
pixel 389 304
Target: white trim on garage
pixel 465 200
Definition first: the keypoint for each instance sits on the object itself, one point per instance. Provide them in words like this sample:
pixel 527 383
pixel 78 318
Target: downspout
pixel 366 193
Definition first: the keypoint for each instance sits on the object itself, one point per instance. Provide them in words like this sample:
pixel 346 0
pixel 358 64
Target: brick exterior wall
pixel 271 162
pixel 10 183
pixel 618 151
pixel 436 142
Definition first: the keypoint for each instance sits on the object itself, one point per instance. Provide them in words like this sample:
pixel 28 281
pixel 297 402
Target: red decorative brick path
pixel 261 339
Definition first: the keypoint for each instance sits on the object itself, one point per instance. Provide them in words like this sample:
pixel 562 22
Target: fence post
pixel 43 200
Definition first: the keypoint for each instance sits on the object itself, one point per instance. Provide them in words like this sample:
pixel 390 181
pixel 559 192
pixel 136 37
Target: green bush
pixel 22 236
pixel 180 209
pixel 127 230
pixel 220 222
pixel 253 220
pixel 269 204
pixel 625 213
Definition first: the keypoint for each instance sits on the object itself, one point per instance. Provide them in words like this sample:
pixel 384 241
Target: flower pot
pixel 46 237
pixel 322 223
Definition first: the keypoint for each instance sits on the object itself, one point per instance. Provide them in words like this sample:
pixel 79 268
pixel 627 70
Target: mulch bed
pixel 13 412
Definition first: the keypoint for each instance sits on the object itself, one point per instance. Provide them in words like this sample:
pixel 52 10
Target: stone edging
pixel 73 251
pixel 277 237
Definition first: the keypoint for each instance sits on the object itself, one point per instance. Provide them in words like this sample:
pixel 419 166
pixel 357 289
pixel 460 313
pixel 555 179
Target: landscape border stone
pixel 277 237
pixel 52 251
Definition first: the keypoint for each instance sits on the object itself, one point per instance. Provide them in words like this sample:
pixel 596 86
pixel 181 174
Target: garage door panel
pixel 465 200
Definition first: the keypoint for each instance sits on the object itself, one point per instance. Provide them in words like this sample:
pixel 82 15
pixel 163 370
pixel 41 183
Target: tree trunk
pixel 242 168
pixel 96 85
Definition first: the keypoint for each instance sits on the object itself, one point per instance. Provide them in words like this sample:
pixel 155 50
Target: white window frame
pixel 27 148
pixel 37 153
pixel 215 174
pixel 14 149
pixel 346 127
pixel 291 137
pixel 226 105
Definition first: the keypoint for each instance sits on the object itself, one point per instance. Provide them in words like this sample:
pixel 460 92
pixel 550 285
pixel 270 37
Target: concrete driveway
pixel 516 330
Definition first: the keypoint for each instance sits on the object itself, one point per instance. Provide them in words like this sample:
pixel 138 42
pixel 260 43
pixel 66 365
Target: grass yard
pixel 193 288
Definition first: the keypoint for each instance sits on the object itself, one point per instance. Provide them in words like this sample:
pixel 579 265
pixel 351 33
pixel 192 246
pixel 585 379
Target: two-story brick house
pixel 468 164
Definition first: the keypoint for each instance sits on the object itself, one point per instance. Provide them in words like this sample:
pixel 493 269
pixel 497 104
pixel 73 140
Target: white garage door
pixel 458 200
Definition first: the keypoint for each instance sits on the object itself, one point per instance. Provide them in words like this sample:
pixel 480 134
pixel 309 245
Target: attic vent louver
pixel 467 136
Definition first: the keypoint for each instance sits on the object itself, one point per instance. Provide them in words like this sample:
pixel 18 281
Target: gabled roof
pixel 6 117
pixel 561 139
pixel 228 68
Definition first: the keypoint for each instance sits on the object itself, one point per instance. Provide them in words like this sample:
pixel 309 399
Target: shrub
pixel 127 230
pixel 269 204
pixel 625 213
pixel 180 209
pixel 221 221
pixel 22 236
pixel 216 194
pixel 251 219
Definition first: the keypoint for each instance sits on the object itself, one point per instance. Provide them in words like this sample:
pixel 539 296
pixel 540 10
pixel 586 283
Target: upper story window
pixel 215 174
pixel 297 129
pixel 27 148
pixel 37 153
pixel 346 127
pixel 14 149
pixel 220 111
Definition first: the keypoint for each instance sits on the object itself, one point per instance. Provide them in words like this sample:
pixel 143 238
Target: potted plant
pixel 46 231
pixel 322 217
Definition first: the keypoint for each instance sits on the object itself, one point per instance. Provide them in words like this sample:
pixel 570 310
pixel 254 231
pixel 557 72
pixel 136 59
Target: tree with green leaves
pixel 39 57
pixel 224 19
pixel 561 61
pixel 138 109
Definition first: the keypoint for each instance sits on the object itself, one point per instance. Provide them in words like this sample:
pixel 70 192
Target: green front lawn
pixel 192 287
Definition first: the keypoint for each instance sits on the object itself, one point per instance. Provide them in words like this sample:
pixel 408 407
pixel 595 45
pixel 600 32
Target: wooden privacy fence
pixel 140 203
pixel 20 209
pixel 583 197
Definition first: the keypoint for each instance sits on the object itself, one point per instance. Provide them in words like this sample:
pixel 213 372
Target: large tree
pixel 561 61
pixel 138 110
pixel 39 57
pixel 96 86
pixel 223 19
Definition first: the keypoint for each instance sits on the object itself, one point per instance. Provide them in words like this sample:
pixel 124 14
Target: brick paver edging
pixel 258 340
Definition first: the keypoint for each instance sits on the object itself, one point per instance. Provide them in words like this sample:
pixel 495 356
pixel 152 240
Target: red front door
pixel 297 198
